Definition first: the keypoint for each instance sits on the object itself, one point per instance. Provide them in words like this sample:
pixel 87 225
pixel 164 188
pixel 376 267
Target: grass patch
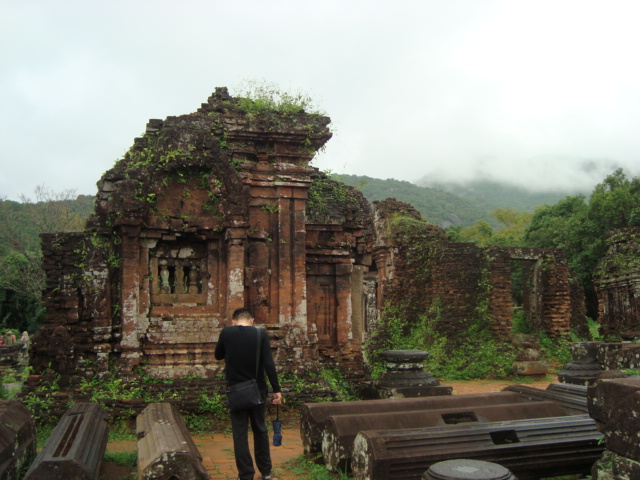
pixel 307 468
pixel 43 432
pixel 122 430
pixel 123 459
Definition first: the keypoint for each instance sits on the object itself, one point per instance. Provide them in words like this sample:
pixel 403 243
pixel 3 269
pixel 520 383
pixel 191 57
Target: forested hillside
pixel 449 204
pixel 21 276
pixel 22 222
pixel 435 206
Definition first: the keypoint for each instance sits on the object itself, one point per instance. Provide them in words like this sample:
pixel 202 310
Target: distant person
pixel 237 346
pixel 9 338
pixel 24 341
pixel 1 340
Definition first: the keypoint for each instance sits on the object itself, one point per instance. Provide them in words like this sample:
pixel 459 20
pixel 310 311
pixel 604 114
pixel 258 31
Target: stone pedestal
pixel 528 356
pixel 464 469
pixel 406 377
pixel 584 368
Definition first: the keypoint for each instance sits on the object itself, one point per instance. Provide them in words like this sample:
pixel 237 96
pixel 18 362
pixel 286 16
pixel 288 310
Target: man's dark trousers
pixel 240 428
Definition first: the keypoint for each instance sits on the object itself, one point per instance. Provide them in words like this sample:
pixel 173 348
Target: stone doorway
pixel 322 308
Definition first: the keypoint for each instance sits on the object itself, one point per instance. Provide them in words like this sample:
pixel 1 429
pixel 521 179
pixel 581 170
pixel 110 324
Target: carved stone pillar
pixel 130 271
pixel 236 267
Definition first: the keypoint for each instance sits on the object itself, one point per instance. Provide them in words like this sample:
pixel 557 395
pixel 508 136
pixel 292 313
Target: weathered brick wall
pixel 407 251
pixel 578 307
pixel 556 299
pixel 80 326
pixel 421 272
pixel 457 283
pixel 617 281
pixel 499 290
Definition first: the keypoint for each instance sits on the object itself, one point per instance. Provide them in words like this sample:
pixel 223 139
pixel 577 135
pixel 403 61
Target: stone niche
pixel 208 212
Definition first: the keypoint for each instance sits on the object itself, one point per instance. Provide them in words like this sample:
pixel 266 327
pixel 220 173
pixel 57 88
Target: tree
pixel 20 255
pixel 510 235
pixel 615 202
pixel 580 227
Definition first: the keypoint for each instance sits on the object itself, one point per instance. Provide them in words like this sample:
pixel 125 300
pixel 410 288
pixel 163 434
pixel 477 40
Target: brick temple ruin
pixel 221 208
pixel 618 284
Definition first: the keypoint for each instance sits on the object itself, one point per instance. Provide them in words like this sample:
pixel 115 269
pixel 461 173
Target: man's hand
pixel 277 398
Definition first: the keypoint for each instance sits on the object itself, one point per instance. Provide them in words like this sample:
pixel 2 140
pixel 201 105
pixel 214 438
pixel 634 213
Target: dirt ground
pixel 217 450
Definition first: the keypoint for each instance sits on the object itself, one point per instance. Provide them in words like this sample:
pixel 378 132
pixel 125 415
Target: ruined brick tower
pixel 208 212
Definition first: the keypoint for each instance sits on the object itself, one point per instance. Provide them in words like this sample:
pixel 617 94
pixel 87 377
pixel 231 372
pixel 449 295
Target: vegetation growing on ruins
pixel 329 200
pixel 259 97
pixel 624 260
pixel 408 323
pixel 113 388
pixel 472 354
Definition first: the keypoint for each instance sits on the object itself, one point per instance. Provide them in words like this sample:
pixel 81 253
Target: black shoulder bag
pixel 245 395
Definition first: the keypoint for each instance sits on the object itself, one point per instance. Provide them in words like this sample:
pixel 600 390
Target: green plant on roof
pixel 261 96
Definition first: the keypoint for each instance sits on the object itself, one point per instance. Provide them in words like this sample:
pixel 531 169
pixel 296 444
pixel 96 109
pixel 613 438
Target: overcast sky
pixel 538 93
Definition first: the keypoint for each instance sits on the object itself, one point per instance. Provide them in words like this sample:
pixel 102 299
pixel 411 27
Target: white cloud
pixel 511 90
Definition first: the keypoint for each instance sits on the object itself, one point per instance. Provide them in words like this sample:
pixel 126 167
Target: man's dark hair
pixel 242 313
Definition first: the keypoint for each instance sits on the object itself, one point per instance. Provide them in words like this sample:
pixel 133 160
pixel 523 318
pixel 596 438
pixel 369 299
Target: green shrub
pixel 213 405
pixel 197 423
pixel 520 322
pixel 556 350
pixel 43 432
pixel 339 384
pixel 477 355
pixel 472 354
pixel 594 329
pixel 122 429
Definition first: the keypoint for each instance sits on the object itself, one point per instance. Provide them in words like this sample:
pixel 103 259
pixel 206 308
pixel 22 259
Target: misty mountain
pixel 436 206
pixel 447 204
pixel 496 194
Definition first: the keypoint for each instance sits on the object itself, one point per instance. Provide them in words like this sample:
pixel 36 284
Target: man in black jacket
pixel 237 346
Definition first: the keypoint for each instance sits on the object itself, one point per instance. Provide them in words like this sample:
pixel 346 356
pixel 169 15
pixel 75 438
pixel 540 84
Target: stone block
pixel 615 405
pixel 530 368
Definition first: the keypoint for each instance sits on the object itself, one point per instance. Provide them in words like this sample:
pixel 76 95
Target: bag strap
pixel 257 350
